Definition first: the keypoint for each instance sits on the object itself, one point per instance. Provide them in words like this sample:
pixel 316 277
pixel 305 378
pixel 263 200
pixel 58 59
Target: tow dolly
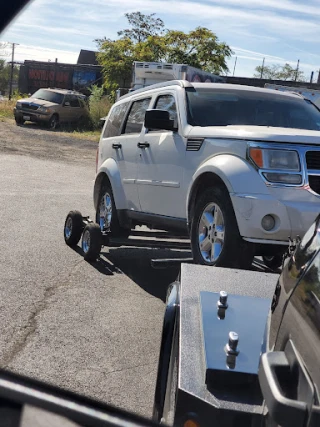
pixel 93 239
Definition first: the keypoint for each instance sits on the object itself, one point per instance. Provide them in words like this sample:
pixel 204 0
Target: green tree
pixel 147 41
pixel 142 26
pixel 5 70
pixel 278 72
pixel 200 48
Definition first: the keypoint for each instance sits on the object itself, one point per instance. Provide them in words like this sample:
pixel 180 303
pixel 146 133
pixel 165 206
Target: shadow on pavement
pixel 136 264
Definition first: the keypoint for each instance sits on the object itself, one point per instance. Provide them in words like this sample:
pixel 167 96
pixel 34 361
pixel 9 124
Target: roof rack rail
pixel 181 83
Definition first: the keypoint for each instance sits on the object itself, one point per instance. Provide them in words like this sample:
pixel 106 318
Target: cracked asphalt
pixel 91 328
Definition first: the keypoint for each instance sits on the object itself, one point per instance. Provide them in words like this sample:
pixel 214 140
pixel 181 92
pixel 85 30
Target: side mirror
pixel 66 104
pixel 159 120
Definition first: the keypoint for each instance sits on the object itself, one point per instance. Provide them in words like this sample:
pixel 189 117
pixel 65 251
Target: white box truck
pixel 313 95
pixel 148 73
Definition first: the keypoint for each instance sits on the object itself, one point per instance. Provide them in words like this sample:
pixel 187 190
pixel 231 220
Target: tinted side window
pixel 74 102
pixel 168 103
pixel 67 98
pixel 136 116
pixel 114 121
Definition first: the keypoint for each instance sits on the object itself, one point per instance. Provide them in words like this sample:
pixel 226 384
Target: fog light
pixel 268 222
pixel 283 178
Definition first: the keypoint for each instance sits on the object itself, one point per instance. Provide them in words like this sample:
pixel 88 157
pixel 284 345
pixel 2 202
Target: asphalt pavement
pixel 91 328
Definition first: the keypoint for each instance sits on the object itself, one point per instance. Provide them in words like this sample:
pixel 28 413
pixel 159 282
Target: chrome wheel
pixel 68 228
pixel 211 233
pixel 86 241
pixel 105 212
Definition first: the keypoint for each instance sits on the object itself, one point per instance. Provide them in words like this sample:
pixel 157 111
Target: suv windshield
pixel 48 95
pixel 220 107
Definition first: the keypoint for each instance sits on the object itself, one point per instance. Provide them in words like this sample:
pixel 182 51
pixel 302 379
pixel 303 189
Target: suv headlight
pixel 277 166
pixel 43 109
pixel 18 105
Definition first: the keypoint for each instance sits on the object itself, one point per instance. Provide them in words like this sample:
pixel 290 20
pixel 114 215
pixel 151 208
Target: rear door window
pixel 115 120
pixel 74 101
pixel 136 116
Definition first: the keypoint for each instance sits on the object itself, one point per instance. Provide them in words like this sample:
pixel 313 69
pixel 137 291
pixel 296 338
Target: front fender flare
pixel 237 174
pixel 110 169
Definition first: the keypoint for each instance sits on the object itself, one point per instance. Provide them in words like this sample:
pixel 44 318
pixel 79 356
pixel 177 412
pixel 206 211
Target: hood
pixel 258 133
pixel 36 101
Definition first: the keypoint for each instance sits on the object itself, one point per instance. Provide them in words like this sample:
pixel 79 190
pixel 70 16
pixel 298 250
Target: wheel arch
pixel 234 174
pixel 203 181
pixel 109 172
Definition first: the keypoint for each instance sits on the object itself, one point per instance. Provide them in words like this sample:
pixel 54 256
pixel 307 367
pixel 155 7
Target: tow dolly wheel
pixel 73 227
pixel 91 242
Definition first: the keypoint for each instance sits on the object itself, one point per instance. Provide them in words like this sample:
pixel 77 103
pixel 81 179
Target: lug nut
pixel 223 298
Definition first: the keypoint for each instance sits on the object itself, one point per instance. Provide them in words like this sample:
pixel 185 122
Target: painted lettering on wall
pixel 42 78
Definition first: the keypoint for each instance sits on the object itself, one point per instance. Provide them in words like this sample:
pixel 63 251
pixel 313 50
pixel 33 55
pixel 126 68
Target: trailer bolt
pixel 223 298
pixel 231 347
pixel 233 340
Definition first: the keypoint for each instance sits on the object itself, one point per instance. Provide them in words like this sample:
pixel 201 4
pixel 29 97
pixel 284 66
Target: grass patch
pixel 92 135
pixel 6 108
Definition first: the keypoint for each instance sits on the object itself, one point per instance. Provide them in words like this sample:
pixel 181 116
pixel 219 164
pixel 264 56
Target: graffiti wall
pixel 34 75
pixel 38 78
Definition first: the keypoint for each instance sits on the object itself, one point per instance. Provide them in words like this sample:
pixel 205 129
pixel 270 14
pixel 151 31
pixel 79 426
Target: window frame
pixel 154 105
pixel 124 124
pixel 127 104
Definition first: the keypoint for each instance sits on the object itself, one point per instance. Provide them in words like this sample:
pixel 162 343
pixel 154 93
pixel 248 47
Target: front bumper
pixel 31 115
pixel 294 209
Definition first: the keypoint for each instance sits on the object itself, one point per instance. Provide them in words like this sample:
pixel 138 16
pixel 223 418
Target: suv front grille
pixel 314 183
pixel 27 106
pixel 313 160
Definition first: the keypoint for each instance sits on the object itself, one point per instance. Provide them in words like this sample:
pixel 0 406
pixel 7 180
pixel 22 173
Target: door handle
pixel 143 144
pixel 116 146
pixel 275 371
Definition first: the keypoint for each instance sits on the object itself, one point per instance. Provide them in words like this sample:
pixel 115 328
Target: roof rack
pixel 181 83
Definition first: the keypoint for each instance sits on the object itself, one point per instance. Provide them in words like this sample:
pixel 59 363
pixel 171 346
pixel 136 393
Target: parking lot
pixel 94 329
pixel 91 328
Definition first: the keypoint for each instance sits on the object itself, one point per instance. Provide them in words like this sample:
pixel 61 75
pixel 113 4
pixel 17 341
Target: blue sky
pixel 279 30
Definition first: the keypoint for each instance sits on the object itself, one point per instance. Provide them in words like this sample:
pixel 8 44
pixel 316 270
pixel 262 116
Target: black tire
pixel 19 121
pixel 235 252
pixel 115 228
pixel 273 261
pixel 73 228
pixel 53 123
pixel 91 242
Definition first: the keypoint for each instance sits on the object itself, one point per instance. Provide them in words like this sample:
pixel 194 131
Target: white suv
pixel 235 167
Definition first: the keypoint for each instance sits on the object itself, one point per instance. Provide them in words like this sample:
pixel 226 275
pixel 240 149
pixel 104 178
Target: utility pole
pixel 262 68
pixel 235 63
pixel 12 68
pixel 297 70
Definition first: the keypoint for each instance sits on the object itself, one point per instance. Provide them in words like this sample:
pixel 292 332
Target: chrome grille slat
pixel 27 106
